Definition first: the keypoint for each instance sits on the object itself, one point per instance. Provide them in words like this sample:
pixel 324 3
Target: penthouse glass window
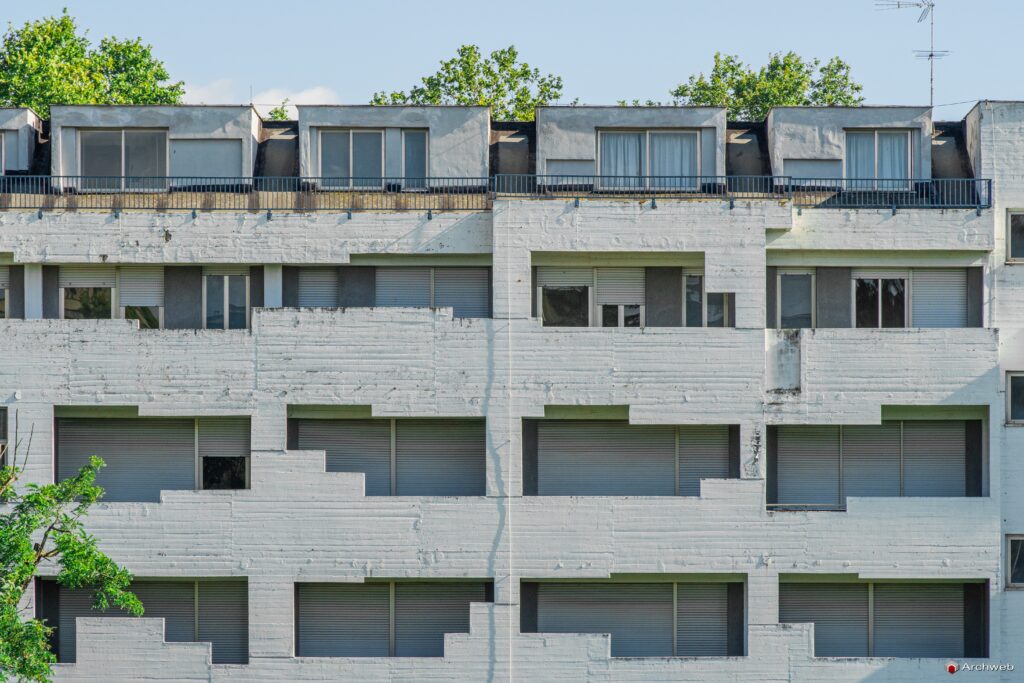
pixel 890 619
pixel 414 159
pixel 649 158
pixel 352 158
pixel 122 158
pixel 878 159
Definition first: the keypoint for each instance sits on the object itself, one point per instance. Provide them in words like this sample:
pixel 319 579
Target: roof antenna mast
pixel 927 8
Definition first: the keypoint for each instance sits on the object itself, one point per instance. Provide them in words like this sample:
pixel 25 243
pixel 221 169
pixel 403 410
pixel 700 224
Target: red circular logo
pixel 951 667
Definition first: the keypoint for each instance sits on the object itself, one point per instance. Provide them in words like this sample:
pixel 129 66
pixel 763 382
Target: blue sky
pixel 316 52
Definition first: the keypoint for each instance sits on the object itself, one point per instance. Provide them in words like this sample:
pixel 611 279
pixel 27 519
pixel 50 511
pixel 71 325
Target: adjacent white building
pixel 687 400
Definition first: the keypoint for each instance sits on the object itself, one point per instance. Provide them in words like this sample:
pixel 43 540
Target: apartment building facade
pixel 623 394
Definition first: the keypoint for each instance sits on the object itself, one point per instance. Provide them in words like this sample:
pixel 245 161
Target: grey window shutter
pixel 663 292
pixel 441 457
pixel 604 458
pixel 919 620
pixel 318 286
pixel 352 446
pixel 342 620
pixel 832 297
pixel 619 286
pixel 87 276
pixel 172 601
pixel 638 616
pixel 143 455
pixel 702 619
pixel 402 286
pixel 467 290
pixel 939 297
pixel 141 285
pixel 424 612
pixel 807 465
pixel 184 309
pixel 224 620
pixel 5 277
pixel 226 437
pixel 871 460
pixel 839 612
pixel 934 458
pixel 703 454
pixel 564 277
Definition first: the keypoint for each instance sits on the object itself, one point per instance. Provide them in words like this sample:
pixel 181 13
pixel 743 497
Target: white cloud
pixel 266 100
pixel 221 91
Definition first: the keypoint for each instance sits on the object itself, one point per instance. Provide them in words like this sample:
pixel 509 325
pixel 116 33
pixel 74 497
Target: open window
pixel 352 159
pixel 226 299
pixel 141 295
pixel 122 159
pixel 878 159
pixel 87 292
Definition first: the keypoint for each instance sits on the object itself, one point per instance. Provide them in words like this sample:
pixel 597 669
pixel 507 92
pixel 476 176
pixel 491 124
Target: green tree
pixel 280 112
pixel 42 525
pixel 48 61
pixel 509 87
pixel 786 80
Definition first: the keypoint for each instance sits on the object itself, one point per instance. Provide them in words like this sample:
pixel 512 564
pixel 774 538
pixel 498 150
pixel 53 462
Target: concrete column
pixel 273 286
pixel 271 617
pixel 33 291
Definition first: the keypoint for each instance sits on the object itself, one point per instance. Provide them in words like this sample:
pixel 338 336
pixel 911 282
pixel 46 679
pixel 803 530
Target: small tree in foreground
pixel 42 524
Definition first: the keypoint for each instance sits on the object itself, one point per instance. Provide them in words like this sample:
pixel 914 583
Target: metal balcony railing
pixel 611 187
pixel 115 193
pixel 887 193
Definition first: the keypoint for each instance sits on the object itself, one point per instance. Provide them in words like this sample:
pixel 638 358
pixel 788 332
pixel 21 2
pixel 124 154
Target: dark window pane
pixel 1017 235
pixel 716 310
pixel 694 301
pixel 215 302
pixel 224 473
pixel 148 316
pixel 86 303
pixel 367 159
pixel 3 303
pixel 894 306
pixel 100 152
pixel 334 156
pixel 566 306
pixel 631 316
pixel 236 302
pixel 1017 397
pixel 867 303
pixel 145 159
pixel 609 315
pixel 415 158
pixel 795 293
pixel 1017 561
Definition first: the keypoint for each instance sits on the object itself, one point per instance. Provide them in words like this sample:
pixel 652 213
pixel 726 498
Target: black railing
pixel 888 193
pixel 254 194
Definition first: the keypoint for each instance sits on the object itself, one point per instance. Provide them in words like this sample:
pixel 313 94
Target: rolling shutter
pixel 939 297
pixel 838 611
pixel 224 620
pixel 934 462
pixel 702 620
pixel 638 616
pixel 143 455
pixel 342 620
pixel 703 454
pixel 808 465
pixel 424 612
pixel 141 285
pixel 226 270
pixel 619 286
pixel 441 457
pixel 172 601
pixel 5 277
pixel 871 460
pixel 224 437
pixel 353 446
pixel 402 286
pixel 604 458
pixel 919 620
pixel 87 276
pixel 565 277
pixel 318 287
pixel 467 290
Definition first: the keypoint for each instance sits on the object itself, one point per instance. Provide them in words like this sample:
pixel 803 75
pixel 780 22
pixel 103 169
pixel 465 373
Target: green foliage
pixel 49 62
pixel 43 526
pixel 280 112
pixel 786 80
pixel 509 87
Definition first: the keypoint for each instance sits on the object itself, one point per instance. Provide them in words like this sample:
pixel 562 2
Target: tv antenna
pixel 927 8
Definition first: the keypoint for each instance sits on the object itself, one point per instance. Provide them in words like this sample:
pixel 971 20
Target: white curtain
pixel 674 159
pixel 893 159
pixel 622 156
pixel 860 159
